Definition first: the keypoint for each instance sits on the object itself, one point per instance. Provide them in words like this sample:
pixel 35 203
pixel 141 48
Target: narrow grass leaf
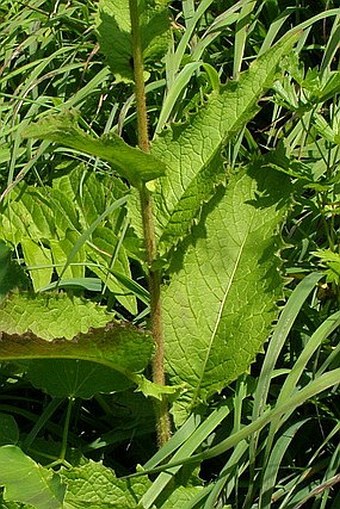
pixel 191 444
pixel 315 387
pixel 280 334
pixel 92 284
pixel 270 472
pixel 242 29
pixel 289 387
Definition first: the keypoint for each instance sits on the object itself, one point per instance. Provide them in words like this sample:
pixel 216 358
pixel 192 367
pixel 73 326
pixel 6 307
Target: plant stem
pixel 162 416
pixel 66 429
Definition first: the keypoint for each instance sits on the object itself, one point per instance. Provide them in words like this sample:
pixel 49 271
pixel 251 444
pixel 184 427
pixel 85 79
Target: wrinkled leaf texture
pixel 77 336
pixel 106 492
pixel 220 303
pixel 50 315
pixel 192 152
pixel 114 34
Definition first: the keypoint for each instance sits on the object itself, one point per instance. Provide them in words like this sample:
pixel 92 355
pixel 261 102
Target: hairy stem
pixel 163 422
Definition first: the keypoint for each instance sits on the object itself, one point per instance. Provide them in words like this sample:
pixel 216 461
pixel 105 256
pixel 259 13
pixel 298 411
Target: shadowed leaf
pixel 131 163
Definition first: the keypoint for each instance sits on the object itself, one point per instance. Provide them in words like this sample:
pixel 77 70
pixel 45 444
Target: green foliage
pixel 332 262
pixel 9 431
pixel 28 482
pixel 114 34
pixel 107 492
pixel 131 163
pixel 193 152
pixel 76 378
pixel 50 316
pixel 11 274
pixel 60 327
pixel 272 402
pixel 239 201
pixel 224 278
pixel 61 227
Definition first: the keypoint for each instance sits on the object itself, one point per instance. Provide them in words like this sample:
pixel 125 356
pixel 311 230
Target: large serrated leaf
pixel 50 316
pixel 192 151
pixel 29 214
pixel 220 303
pixel 27 482
pixel 114 34
pixel 58 327
pixel 107 492
pixel 131 163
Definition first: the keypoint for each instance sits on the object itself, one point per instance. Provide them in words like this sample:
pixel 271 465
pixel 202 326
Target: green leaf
pixel 65 218
pixel 114 34
pixel 107 492
pixel 47 327
pixel 131 163
pixel 15 505
pixel 182 495
pixel 75 378
pixel 192 152
pixel 153 390
pixel 27 482
pixel 331 87
pixel 50 316
pixel 332 261
pixel 324 129
pixel 60 250
pixel 36 254
pixel 92 284
pixel 9 431
pixel 28 215
pixel 220 303
pixel 101 251
pixel 91 195
pixel 279 160
pixel 11 274
pixel 133 415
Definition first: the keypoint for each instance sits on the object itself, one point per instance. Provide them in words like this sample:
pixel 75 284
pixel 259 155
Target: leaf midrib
pixel 220 311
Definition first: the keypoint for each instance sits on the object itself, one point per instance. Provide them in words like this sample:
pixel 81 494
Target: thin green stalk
pixel 66 429
pixel 162 416
pixel 42 420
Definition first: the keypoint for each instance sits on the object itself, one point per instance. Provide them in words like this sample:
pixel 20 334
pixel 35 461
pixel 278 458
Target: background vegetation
pixel 268 438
